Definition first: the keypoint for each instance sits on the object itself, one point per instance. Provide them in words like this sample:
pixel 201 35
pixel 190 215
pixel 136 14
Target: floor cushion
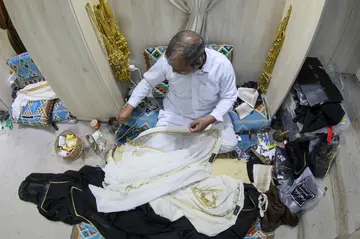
pixel 60 112
pixel 25 69
pixel 36 113
pixel 152 54
pixel 258 119
pixel 139 121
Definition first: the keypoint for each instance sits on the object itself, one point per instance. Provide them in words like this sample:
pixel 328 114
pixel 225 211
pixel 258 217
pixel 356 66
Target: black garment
pixel 66 197
pixel 298 151
pixel 323 156
pixel 318 117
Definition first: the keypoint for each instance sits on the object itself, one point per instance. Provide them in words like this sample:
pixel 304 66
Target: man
pixel 202 87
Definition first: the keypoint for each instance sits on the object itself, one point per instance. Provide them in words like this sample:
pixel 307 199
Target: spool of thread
pixel 95 124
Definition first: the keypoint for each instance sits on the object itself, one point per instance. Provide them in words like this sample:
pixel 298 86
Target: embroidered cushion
pixel 138 122
pixel 60 112
pixel 36 113
pixel 258 119
pixel 256 232
pixel 152 54
pixel 25 69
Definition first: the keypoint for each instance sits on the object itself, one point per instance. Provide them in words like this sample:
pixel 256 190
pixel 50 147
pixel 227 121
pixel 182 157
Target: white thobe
pixel 210 90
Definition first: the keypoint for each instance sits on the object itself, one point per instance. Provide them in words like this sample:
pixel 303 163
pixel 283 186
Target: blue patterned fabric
pixel 25 68
pixel 138 122
pixel 152 54
pixel 258 119
pixel 60 112
pixel 86 231
pixel 256 232
pixel 36 113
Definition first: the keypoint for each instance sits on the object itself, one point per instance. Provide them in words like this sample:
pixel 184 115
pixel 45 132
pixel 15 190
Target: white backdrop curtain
pixel 197 9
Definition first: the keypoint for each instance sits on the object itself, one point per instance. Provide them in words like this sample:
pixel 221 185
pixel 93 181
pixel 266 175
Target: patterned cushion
pixel 258 119
pixel 152 54
pixel 36 113
pixel 256 232
pixel 60 112
pixel 138 122
pixel 25 68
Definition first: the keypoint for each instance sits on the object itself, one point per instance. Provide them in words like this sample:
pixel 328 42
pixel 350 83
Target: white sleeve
pixel 152 77
pixel 228 95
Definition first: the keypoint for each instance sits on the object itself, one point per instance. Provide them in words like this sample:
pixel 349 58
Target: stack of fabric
pixel 314 103
pixel 158 185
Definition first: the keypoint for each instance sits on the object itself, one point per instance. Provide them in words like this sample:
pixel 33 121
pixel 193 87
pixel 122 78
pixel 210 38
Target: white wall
pixel 6 52
pixel 338 36
pixel 250 25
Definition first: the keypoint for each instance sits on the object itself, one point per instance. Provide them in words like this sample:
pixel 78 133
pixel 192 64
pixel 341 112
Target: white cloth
pixel 212 205
pixel 209 91
pixel 197 9
pixel 150 168
pixel 243 110
pixel 228 136
pixel 249 95
pixel 33 92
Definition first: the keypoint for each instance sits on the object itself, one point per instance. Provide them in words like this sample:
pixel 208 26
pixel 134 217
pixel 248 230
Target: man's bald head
pixel 185 46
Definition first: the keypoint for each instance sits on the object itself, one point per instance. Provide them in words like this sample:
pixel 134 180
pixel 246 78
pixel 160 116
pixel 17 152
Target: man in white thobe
pixel 202 87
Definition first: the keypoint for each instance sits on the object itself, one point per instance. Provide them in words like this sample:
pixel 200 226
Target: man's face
pixel 181 66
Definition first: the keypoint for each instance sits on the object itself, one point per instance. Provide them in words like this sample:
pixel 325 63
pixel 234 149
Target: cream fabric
pixel 262 177
pixel 212 205
pixel 197 9
pixel 150 168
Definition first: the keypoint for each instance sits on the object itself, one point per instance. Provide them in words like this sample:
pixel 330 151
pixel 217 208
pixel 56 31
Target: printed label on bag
pixel 211 159
pixel 237 209
pixel 301 194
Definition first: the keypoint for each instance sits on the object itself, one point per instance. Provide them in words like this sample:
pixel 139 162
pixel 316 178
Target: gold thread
pixel 114 41
pixel 273 53
pixel 47 190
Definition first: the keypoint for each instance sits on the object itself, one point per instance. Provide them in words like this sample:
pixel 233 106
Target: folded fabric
pixel 277 214
pixel 323 155
pixel 243 110
pixel 249 95
pixel 212 205
pixel 262 177
pixel 159 161
pixel 65 197
pixel 298 151
pixel 33 92
pixel 303 194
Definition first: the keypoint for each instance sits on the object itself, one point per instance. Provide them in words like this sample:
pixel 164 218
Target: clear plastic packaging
pixel 303 194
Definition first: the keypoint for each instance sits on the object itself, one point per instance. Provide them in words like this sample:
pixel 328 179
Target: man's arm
pixel 154 76
pixel 228 95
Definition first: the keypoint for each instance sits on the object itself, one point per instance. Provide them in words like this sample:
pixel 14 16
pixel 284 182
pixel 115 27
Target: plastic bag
pixel 303 194
pixel 283 173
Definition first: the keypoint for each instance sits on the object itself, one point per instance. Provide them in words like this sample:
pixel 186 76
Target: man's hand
pixel 124 113
pixel 200 124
